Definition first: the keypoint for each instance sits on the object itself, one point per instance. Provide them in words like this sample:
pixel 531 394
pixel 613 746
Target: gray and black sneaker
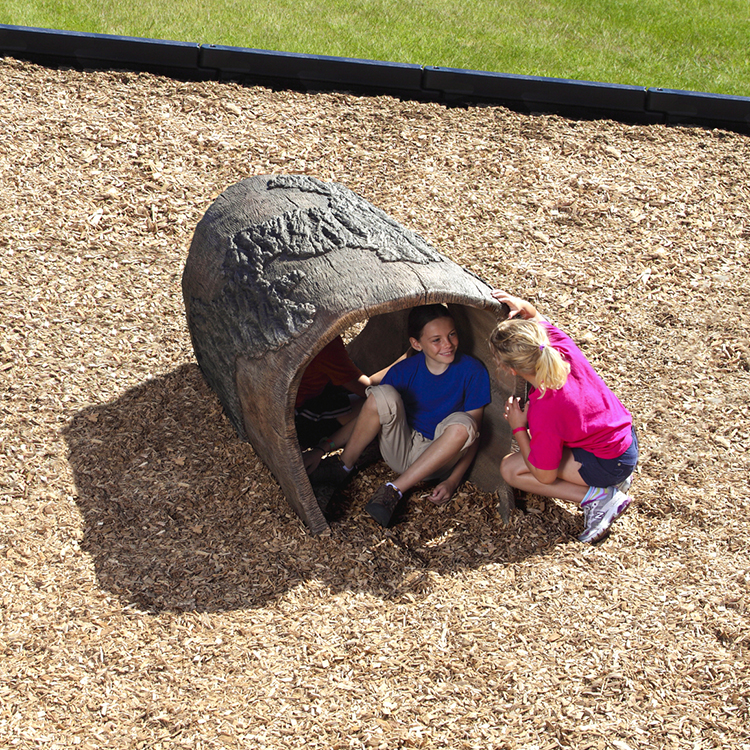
pixel 324 494
pixel 382 503
pixel 328 479
pixel 331 472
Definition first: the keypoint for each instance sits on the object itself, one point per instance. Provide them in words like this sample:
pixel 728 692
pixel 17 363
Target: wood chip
pixel 156 591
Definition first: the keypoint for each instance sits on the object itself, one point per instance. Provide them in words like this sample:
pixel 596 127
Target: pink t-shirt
pixel 584 413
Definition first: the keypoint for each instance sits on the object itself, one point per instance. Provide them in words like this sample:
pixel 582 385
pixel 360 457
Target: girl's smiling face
pixel 438 341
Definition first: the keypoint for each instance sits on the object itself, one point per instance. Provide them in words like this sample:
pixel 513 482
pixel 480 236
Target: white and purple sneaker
pixel 624 486
pixel 600 513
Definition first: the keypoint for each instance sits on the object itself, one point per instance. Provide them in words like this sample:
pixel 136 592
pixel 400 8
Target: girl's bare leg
pixel 351 415
pixel 365 430
pixel 340 438
pixel 568 486
pixel 440 453
pixel 348 422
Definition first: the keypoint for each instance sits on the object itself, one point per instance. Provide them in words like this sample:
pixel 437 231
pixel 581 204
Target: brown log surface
pixel 279 265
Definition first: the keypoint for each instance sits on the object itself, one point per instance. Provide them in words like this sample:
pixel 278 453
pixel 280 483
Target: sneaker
pixel 382 503
pixel 331 472
pixel 600 514
pixel 324 494
pixel 624 486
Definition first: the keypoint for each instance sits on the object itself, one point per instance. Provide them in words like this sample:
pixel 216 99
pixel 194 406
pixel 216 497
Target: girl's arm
pixel 358 386
pixel 519 308
pixel 376 377
pixel 518 423
pixel 545 476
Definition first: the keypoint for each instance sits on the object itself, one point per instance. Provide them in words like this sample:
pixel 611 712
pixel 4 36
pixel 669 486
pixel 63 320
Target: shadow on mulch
pixel 180 514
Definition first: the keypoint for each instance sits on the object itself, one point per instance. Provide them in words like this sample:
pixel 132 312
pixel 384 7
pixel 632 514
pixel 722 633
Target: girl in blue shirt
pixel 426 414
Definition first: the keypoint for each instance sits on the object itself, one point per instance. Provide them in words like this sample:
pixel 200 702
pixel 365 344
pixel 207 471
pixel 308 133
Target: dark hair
pixel 420 316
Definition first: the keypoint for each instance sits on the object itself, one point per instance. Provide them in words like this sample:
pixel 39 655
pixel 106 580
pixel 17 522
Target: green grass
pixel 699 45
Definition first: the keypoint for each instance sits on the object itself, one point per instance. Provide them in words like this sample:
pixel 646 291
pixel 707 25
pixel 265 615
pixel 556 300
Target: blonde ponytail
pixel 523 345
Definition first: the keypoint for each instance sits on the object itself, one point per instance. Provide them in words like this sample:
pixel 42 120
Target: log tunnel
pixel 281 264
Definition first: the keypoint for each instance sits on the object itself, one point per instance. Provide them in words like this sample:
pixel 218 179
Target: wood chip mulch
pixel 156 591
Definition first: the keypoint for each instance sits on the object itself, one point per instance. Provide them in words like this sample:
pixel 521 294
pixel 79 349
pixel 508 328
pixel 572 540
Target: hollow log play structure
pixel 279 266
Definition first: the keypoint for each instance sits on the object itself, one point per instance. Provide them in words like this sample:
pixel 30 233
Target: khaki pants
pixel 400 445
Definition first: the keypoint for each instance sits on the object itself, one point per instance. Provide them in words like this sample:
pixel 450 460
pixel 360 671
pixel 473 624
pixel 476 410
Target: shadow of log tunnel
pixel 179 514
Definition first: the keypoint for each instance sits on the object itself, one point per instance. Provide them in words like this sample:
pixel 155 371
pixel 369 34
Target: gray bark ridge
pixel 255 312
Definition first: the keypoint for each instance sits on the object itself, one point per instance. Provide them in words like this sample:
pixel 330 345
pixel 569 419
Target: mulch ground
pixel 156 591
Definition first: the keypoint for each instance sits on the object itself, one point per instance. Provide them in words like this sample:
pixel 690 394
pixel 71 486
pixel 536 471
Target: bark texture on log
pixel 280 265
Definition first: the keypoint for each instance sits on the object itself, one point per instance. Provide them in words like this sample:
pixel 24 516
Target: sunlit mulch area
pixel 155 589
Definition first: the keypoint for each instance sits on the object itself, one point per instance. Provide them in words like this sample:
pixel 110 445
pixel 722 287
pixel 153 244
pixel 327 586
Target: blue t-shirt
pixel 429 399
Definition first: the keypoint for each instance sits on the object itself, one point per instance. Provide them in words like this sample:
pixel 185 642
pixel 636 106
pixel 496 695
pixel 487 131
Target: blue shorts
pixel 607 472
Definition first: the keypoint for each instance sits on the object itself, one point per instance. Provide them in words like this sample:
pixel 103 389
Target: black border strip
pixel 310 71
pixel 532 93
pixel 584 99
pixel 694 106
pixel 97 50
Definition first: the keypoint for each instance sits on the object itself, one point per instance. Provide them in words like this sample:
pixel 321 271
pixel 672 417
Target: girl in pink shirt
pixel 576 440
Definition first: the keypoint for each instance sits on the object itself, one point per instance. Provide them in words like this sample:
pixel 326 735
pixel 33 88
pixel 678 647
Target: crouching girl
pixel 576 440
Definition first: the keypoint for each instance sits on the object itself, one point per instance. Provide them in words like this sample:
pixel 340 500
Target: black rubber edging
pixel 700 108
pixel 581 99
pixel 312 71
pixel 533 93
pixel 53 47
